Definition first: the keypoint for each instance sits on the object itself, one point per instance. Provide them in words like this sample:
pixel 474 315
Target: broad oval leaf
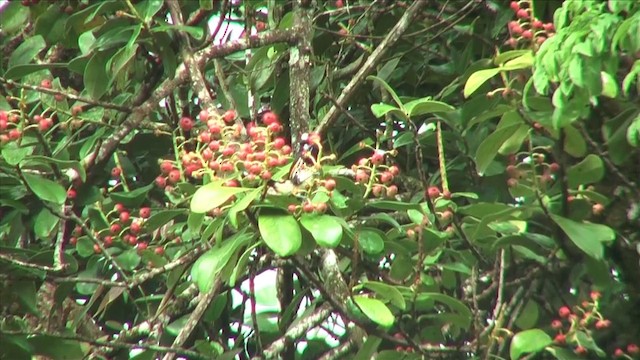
pixel 387 292
pixel 589 170
pixel 477 79
pixel 588 237
pixel 529 341
pixel 209 264
pixel 371 241
pixel 212 195
pixel 427 106
pixel 27 51
pixel 488 150
pixel 325 229
pixel 281 232
pixel 388 88
pixel 375 310
pixel 133 198
pixel 380 110
pixel 45 189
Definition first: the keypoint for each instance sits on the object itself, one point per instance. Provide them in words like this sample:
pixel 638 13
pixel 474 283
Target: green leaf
pixel 209 264
pixel 325 229
pixel 14 17
pixel 27 51
pixel 150 8
pixel 242 204
pixel 528 316
pixel 133 198
pixel 128 260
pixel 368 349
pixel 196 32
pixel 212 195
pixel 563 354
pixel 20 71
pixel 84 246
pixel 588 237
pixel 45 223
pixel 388 292
pixel 55 348
pixel 371 241
pixel 488 149
pixel 574 143
pixel 45 189
pixel 529 341
pixel 63 164
pixel 388 88
pixel 589 170
pixel 375 310
pixel 281 232
pixel 160 218
pixel 380 110
pixel 477 79
pixel 609 85
pixel 96 78
pixel 427 106
pixel 454 304
pixel 392 205
pixel 13 154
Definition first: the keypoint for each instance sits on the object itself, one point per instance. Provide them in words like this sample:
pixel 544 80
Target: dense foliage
pixel 301 179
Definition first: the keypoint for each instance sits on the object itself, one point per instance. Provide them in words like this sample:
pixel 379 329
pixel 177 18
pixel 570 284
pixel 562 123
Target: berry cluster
pixel 122 226
pixel 534 169
pixel 376 174
pixel 223 149
pixel 584 318
pixel 527 31
pixel 9 127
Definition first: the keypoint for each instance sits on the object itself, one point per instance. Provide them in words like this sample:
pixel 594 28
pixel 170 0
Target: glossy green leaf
pixel 371 241
pixel 489 147
pixel 213 195
pixel 325 229
pixel 128 260
pixel 589 170
pixel 62 164
pixel 527 342
pixel 243 204
pixel 380 110
pixel 375 310
pixel 20 71
pixel 529 315
pixel 45 223
pixel 427 106
pixel 588 237
pixel 14 154
pixel 388 292
pixel 477 79
pixel 609 85
pixel 281 232
pixel 133 198
pixel 393 205
pixel 26 52
pixel 161 218
pixel 208 266
pixel 96 78
pixel 45 189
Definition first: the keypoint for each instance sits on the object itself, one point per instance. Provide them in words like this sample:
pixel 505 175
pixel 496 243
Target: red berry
pixel 580 350
pixel 433 192
pixel 174 176
pixel 115 229
pixel 362 176
pixel 633 349
pixel 556 324
pixel 71 194
pixel 227 167
pixel 560 339
pixel 339 3
pixel 76 110
pixel 377 190
pixel 45 83
pixel 515 6
pixel 108 241
pixel 119 207
pixel 124 217
pixel 602 324
pixel 228 151
pixel 522 14
pixel 3 124
pixel 232 183
pixel 45 124
pixel 527 34
pixel 537 24
pixel 260 26
pixel 266 175
pixel 554 167
pixel 166 167
pixel 595 295
pixel 274 127
pixel 186 123
pixel 618 353
pixel 378 157
pixel 96 249
pixel 214 145
pixel 292 208
pixel 597 209
pixel 515 28
pixel 392 191
pixel 286 150
pixel 135 227
pixel 269 118
pixel 159 250
pixel 386 177
pixel 446 194
pixel 278 143
pixel 321 208
pixel 330 184
pixel 229 116
pixel 14 134
pixel 564 312
pixel 203 115
pixel 394 170
pixel 204 136
pixel 116 172
pixel 145 212
pixel 308 207
pixel 142 246
pixel 73 240
pixel 548 27
pixel 161 182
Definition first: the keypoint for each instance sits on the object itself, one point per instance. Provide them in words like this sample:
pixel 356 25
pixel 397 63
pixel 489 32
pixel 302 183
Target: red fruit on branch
pixel 433 192
pixel 186 124
pixel 564 312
